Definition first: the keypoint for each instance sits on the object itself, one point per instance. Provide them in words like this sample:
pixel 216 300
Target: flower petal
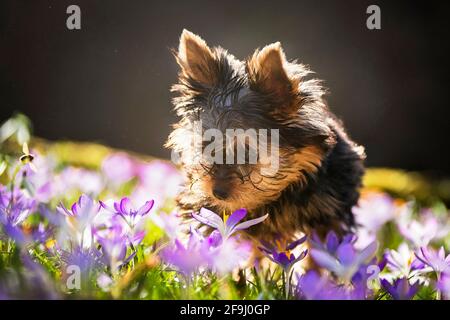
pixel 146 208
pixel 235 217
pixel 325 260
pixel 125 206
pixel 332 242
pixel 249 223
pixel 296 243
pixel 209 218
pixel 346 254
pixel 368 252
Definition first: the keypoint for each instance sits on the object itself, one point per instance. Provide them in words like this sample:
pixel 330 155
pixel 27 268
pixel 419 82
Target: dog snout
pixel 220 193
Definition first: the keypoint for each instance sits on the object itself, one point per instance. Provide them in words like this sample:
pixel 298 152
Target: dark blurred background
pixel 109 82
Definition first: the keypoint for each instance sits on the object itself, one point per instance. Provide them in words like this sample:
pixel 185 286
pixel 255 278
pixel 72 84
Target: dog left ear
pixel 267 74
pixel 196 59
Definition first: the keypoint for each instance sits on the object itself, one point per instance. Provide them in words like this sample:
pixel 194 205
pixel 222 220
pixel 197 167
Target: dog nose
pixel 220 193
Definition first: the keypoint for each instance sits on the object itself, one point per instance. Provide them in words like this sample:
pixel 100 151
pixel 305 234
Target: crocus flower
pixel 25 236
pixel 171 224
pixel 345 261
pixel 229 224
pixel 225 256
pixel 374 210
pixel 282 254
pixel 79 219
pixel 40 180
pixel 402 262
pixel 332 242
pixel 15 206
pixel 312 286
pixel 85 181
pixel 187 258
pixel 81 212
pixel 118 168
pixel 114 245
pixel 161 179
pixel 435 259
pixel 444 285
pixel 132 216
pixel 422 231
pixel 401 289
pixel 361 286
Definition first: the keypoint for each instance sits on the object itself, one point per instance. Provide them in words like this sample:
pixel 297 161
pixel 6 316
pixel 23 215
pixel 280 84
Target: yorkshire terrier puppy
pixel 319 167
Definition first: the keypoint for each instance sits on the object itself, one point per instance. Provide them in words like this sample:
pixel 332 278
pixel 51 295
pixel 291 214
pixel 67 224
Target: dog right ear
pixel 196 59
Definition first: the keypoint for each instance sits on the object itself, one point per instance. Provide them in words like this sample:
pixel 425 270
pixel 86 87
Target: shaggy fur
pixel 320 167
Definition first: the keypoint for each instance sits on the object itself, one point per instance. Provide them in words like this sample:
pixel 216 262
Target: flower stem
pixel 287 283
pixel 438 292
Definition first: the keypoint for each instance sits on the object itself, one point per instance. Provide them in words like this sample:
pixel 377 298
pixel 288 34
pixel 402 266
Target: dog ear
pixel 196 59
pixel 267 73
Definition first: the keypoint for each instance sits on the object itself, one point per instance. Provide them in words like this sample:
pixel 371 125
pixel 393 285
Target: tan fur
pixel 196 58
pixel 245 195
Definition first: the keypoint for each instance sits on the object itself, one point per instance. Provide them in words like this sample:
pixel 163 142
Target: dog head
pixel 248 129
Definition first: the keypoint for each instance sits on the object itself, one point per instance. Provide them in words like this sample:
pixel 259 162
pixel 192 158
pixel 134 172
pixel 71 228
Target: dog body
pixel 320 168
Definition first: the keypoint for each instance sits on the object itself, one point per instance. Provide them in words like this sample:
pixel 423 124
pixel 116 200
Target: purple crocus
pixel 282 254
pixel 131 215
pixel 229 224
pixel 79 219
pixel 443 285
pixel 118 168
pixel 401 289
pixel 15 206
pixel 435 259
pixel 343 260
pixel 225 256
pixel 187 258
pixel 426 229
pixel 114 245
pixel 312 286
pixel 374 210
pixel 332 242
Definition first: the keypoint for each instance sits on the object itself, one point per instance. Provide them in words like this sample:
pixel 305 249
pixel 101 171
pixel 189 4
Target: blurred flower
pixel 229 224
pixel 25 236
pixel 313 286
pixel 86 181
pixel 401 289
pixel 87 260
pixel 118 168
pixel 226 256
pixel 343 260
pixel 158 178
pixel 15 206
pixel 187 258
pixel 281 253
pixel 114 246
pixel 40 180
pixel 374 210
pixel 363 281
pixel 435 259
pixel 444 285
pixel 104 282
pixel 171 223
pixel 421 232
